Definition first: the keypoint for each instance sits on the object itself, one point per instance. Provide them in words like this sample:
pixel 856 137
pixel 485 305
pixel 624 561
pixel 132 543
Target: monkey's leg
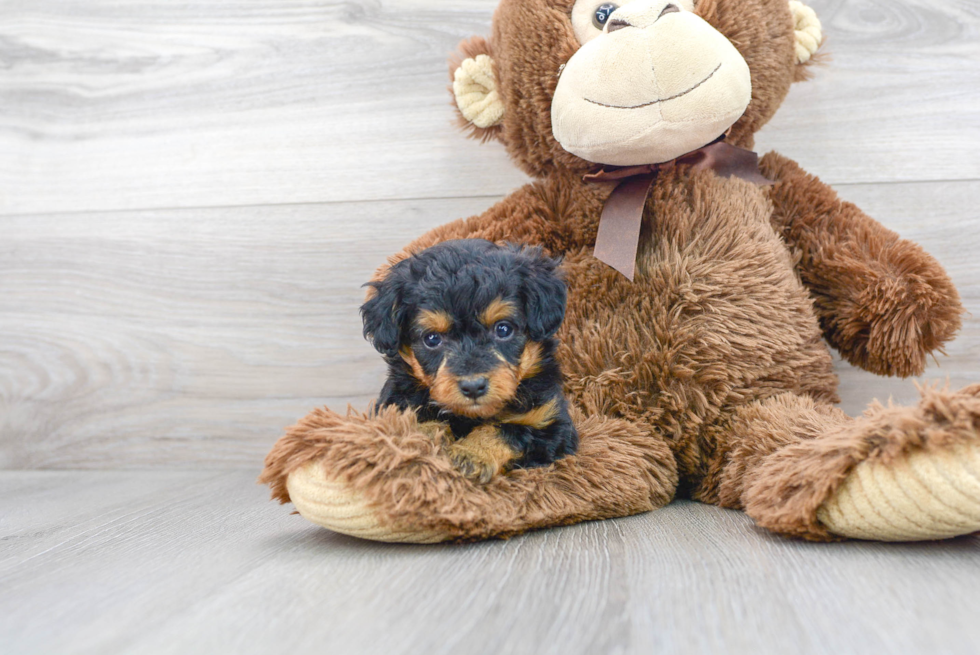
pixel 382 477
pixel 895 474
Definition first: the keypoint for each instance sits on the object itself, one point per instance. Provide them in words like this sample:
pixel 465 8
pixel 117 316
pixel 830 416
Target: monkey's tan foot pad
pixel 333 505
pixel 923 495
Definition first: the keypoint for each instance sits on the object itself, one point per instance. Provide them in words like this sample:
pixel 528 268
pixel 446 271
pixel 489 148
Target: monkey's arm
pixel 882 301
pixel 540 214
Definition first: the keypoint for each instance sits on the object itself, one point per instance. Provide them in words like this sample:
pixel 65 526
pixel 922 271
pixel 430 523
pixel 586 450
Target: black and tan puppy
pixel 468 331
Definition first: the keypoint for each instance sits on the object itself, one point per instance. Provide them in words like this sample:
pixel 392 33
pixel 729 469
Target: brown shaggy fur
pixel 407 475
pixel 709 374
pixel 881 300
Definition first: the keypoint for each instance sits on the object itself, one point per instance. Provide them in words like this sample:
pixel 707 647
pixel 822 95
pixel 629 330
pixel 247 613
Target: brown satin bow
pixel 619 226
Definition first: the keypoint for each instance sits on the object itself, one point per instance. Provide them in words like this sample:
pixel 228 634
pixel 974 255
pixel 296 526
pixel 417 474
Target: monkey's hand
pixel 882 301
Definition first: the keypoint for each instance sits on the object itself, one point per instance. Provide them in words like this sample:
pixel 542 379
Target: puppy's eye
pixel 503 330
pixel 602 14
pixel 432 340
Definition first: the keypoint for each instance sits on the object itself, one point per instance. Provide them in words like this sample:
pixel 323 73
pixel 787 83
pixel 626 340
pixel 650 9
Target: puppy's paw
pixel 482 454
pixel 437 431
pixel 472 465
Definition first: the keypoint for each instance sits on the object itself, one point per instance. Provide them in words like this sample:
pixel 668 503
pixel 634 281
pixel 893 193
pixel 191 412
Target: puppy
pixel 467 329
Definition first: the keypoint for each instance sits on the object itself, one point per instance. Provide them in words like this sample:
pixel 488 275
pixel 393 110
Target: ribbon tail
pixel 755 177
pixel 619 226
pixel 731 161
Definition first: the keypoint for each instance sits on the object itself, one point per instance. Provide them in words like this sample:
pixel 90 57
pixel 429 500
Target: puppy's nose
pixel 474 387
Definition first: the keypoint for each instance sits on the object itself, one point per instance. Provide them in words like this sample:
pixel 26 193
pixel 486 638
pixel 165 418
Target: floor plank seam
pixel 370 201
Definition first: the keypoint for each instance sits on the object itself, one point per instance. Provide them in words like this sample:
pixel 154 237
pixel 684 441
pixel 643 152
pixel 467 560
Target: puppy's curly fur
pixel 467 329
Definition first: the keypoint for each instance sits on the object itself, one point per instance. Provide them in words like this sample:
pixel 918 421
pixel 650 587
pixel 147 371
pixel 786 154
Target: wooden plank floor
pixel 191 195
pixel 201 562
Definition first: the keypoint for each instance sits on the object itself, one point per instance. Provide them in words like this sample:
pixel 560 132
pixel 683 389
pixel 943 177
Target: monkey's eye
pixel 432 340
pixel 602 14
pixel 503 330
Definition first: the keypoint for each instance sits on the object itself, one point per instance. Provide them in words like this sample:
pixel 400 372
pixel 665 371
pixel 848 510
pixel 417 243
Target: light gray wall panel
pixel 193 337
pixel 165 104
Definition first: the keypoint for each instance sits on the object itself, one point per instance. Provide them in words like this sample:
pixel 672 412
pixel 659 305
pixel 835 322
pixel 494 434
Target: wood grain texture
pixel 187 337
pixel 894 101
pixel 168 562
pixel 193 337
pixel 291 101
pixel 234 103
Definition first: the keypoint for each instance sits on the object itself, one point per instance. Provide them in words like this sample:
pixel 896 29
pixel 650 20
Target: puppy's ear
pixel 384 313
pixel 544 295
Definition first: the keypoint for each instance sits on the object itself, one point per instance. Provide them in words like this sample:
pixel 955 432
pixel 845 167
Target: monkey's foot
pixel 927 494
pixel 331 503
pixel 920 478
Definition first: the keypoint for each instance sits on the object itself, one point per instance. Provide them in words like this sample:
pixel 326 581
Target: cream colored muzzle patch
pixel 648 95
pixel 475 89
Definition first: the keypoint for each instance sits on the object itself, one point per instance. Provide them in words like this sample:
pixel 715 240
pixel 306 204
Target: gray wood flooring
pixel 191 195
pixel 200 562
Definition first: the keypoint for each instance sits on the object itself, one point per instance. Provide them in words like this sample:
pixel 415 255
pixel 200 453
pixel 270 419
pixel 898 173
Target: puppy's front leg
pixel 482 454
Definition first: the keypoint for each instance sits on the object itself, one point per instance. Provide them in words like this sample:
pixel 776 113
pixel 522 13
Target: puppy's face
pixel 471 361
pixel 467 318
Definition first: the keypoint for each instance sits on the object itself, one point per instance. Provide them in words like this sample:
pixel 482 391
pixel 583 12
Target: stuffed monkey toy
pixel 704 287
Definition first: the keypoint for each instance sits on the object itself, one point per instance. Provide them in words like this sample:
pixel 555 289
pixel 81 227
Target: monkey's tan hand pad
pixel 381 477
pixel 925 494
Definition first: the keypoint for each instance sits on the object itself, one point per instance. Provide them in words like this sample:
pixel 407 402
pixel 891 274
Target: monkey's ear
pixel 545 296
pixel 808 33
pixel 383 314
pixel 481 109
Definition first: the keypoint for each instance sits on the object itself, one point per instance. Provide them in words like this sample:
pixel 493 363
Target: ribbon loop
pixel 618 237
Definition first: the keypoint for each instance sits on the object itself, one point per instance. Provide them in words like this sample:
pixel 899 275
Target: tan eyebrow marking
pixel 497 310
pixel 437 321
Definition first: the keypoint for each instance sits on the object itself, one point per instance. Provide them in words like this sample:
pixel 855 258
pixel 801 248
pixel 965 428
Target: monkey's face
pixel 651 82
pixel 568 84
